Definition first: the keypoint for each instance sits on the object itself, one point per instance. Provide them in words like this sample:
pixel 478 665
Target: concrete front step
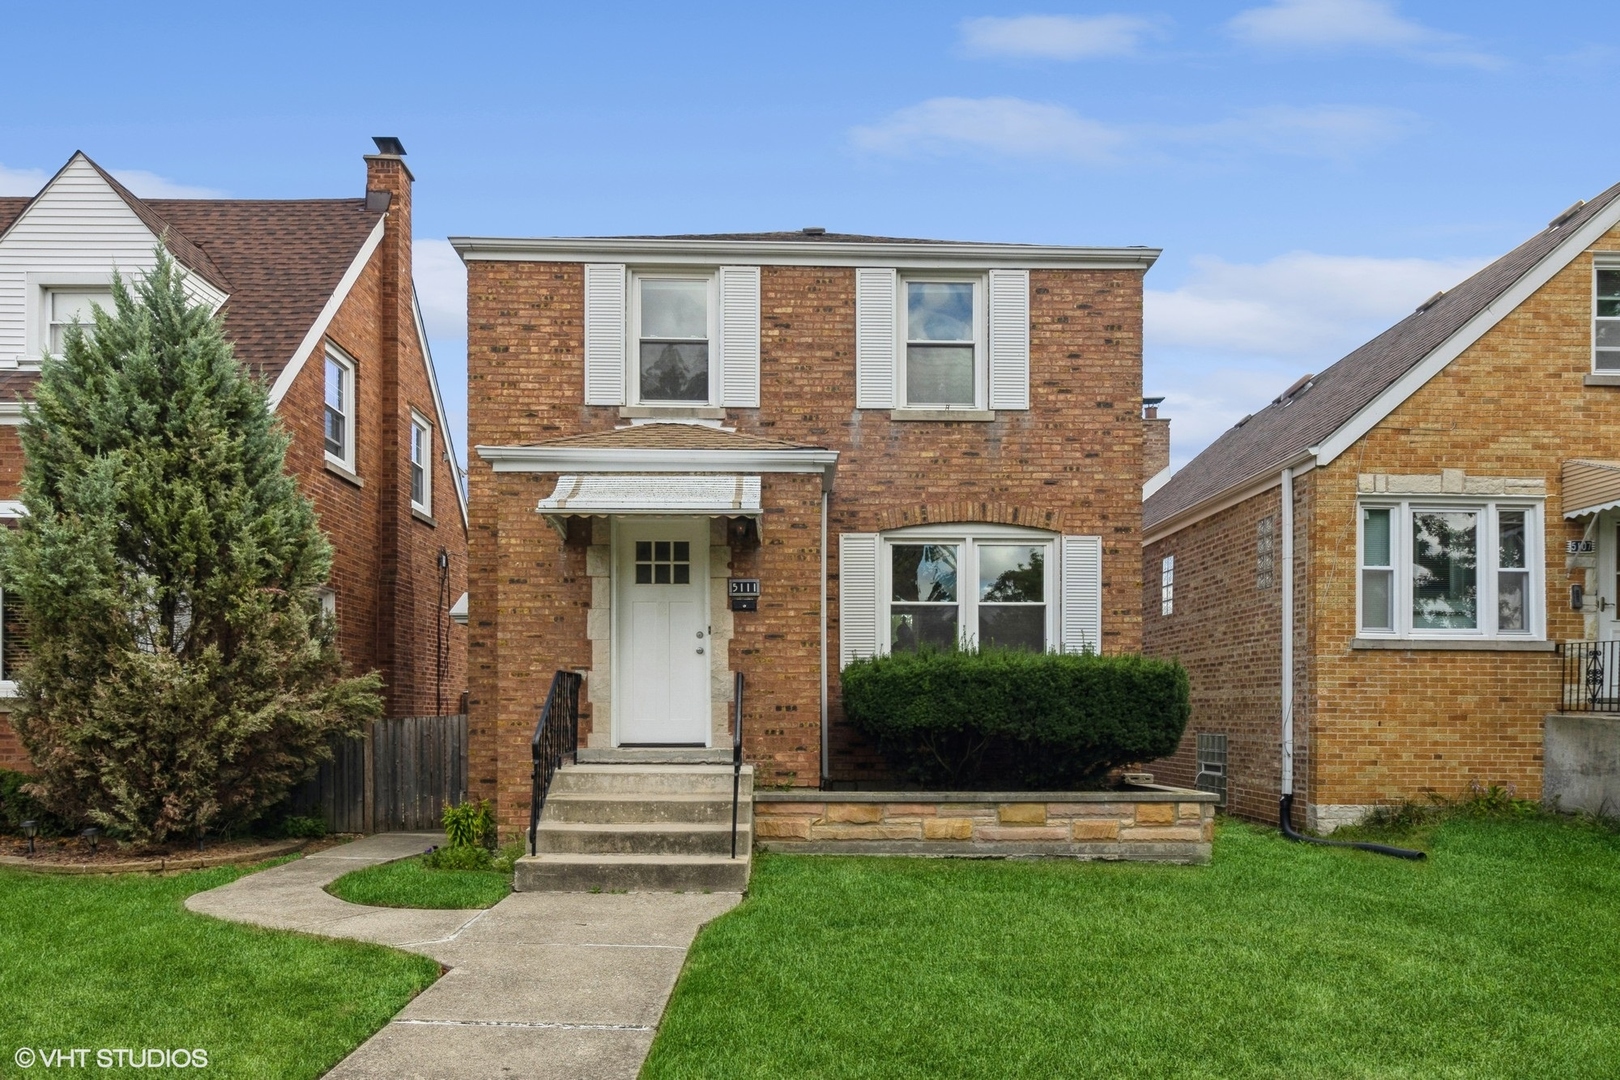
pixel 650 780
pixel 640 837
pixel 606 808
pixel 552 872
pixel 655 755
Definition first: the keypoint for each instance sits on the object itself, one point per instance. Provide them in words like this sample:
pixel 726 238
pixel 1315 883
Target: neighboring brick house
pixel 318 300
pixel 851 421
pixel 1369 575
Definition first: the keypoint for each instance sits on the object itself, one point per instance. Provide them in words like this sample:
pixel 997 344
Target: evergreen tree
pixel 180 675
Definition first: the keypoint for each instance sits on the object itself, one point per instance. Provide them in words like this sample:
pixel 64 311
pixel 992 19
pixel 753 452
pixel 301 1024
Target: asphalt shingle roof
pixel 674 436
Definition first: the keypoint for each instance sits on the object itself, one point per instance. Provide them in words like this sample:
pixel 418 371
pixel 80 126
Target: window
pixel 1264 533
pixel 339 409
pixel 941 368
pixel 65 306
pixel 421 464
pixel 1606 324
pixel 1167 585
pixel 663 562
pixel 985 590
pixel 328 598
pixel 11 645
pixel 1450 570
pixel 674 326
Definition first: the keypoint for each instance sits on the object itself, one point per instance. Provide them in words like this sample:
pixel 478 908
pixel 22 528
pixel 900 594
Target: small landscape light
pixel 93 835
pixel 30 829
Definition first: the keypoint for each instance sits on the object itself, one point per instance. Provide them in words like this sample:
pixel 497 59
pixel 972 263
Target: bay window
pixel 991 589
pixel 1439 568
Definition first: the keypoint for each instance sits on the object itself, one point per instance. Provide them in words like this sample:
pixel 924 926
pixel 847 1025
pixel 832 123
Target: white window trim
pixel 632 358
pixel 968 537
pixel 421 423
pixel 1167 586
pixel 1601 262
pixel 1485 575
pixel 981 343
pixel 36 314
pixel 346 460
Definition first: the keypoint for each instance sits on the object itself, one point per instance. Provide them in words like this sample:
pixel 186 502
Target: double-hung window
pixel 942 367
pixel 1606 321
pixel 987 590
pixel 673 329
pixel 421 464
pixel 340 410
pixel 65 306
pixel 1457 569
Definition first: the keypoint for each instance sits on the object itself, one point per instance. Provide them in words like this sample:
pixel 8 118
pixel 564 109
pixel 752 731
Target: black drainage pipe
pixel 1299 838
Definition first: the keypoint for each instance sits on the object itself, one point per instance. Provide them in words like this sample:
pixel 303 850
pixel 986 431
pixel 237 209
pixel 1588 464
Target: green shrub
pixel 470 824
pixel 462 857
pixel 1016 720
pixel 294 827
pixel 17 806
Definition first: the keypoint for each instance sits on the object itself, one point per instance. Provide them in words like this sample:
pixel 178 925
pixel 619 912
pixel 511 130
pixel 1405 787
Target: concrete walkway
pixel 542 985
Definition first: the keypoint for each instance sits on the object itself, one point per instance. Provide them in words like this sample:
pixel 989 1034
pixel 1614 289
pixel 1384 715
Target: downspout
pixel 825 772
pixel 1286 805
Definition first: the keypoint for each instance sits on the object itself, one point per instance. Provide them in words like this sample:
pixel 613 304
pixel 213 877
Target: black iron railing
pixel 1591 676
pixel 736 757
pixel 556 739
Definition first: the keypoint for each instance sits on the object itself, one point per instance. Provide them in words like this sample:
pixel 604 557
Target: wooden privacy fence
pixel 412 767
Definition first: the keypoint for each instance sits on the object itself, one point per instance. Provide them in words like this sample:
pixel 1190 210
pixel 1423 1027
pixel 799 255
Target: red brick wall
pixel 12 754
pixel 1071 463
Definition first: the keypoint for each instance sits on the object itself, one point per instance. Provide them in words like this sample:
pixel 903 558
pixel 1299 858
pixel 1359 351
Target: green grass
pixel 110 962
pixel 408 883
pixel 1498 957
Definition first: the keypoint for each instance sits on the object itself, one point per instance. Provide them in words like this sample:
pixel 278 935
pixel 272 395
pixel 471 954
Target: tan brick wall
pixel 1071 463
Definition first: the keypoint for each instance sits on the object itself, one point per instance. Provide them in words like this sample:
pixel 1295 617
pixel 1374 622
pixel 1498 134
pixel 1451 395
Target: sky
pixel 1313 169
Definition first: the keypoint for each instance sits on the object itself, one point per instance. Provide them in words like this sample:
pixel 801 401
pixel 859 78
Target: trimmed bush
pixel 1016 720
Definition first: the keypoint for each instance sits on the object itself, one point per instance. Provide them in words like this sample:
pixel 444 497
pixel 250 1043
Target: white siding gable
pixel 77 232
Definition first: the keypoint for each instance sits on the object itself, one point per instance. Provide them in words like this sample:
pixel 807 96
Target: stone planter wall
pixel 1158 824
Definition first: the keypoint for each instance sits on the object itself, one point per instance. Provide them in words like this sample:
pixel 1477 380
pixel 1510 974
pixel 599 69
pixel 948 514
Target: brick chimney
pixel 1155 439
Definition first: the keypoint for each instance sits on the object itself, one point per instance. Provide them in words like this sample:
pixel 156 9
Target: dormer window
pixel 673 326
pixel 65 306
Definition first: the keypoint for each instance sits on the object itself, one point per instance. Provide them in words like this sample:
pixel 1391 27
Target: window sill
pixel 426 519
pixel 1455 644
pixel 671 412
pixel 8 690
pixel 337 469
pixel 970 415
pixel 1607 379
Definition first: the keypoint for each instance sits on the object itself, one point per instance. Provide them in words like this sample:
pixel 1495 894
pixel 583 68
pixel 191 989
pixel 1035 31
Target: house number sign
pixel 744 592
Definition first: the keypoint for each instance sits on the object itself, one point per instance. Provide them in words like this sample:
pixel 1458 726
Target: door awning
pixel 673 495
pixel 1590 486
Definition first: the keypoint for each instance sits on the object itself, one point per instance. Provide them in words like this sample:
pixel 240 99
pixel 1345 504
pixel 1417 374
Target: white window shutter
pixel 1009 339
pixel 875 329
pixel 857 596
pixel 604 334
pixel 739 336
pixel 1082 593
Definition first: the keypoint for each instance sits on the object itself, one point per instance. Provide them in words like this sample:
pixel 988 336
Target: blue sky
pixel 1313 169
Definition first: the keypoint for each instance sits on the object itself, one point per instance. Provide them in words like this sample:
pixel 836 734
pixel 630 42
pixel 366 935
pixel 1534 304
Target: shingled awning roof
pixel 673 436
pixel 1291 425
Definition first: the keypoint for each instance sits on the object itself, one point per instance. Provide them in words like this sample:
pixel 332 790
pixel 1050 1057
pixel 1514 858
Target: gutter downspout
pixel 1286 804
pixel 825 772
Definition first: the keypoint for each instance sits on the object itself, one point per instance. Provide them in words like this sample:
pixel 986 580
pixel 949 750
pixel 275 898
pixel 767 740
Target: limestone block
pixel 719 561
pixel 1451 481
pixel 866 832
pixel 1172 832
pixel 1365 482
pixel 1485 485
pixel 1029 834
pixel 855 812
pixel 1526 486
pixel 1192 810
pixel 1022 813
pixel 1155 813
pixel 905 810
pixel 599 561
pixel 1415 485
pixel 598 624
pixel 1095 829
pixel 782 829
pixel 1094 809
pixel 948 829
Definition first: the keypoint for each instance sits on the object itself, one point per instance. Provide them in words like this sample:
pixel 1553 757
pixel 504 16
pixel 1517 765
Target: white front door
pixel 1603 596
pixel 661 631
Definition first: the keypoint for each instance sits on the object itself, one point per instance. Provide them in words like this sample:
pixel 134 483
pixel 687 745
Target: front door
pixel 661 628
pixel 1601 675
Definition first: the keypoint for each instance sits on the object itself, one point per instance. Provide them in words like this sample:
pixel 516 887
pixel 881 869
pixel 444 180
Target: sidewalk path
pixel 542 985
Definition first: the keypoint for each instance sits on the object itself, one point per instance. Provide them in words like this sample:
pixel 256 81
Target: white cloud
pixel 441 286
pixel 1013 127
pixel 149 185
pixel 21 181
pixel 1337 24
pixel 1056 37
pixel 1000 125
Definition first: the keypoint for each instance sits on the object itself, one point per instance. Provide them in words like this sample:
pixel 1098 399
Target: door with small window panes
pixel 661 629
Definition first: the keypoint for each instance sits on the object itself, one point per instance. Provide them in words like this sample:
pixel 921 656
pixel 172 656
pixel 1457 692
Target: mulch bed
pixel 72 855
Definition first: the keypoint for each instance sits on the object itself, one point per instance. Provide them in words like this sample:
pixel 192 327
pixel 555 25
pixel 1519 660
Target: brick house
pixel 1367 579
pixel 318 300
pixel 865 428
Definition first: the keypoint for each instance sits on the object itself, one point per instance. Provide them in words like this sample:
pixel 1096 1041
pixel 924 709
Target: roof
pixel 673 436
pixel 794 236
pixel 11 207
pixel 1291 425
pixel 1589 486
pixel 737 496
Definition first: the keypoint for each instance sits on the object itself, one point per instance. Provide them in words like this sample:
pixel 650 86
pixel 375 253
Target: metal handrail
pixel 556 737
pixel 1591 676
pixel 736 756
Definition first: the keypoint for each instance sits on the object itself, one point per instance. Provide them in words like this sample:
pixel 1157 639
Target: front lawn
pixel 1498 957
pixel 117 962
pixel 410 884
